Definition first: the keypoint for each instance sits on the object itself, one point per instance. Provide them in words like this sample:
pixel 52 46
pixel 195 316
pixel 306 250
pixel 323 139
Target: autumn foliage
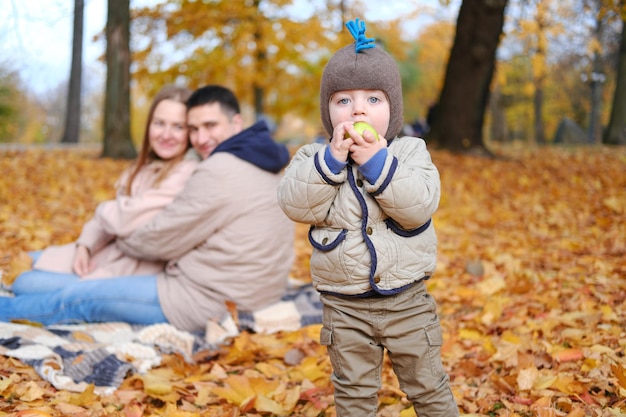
pixel 531 287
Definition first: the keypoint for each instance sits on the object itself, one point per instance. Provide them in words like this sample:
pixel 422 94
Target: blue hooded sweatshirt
pixel 255 145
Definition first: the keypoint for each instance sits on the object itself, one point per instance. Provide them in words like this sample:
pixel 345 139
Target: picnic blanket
pixel 71 357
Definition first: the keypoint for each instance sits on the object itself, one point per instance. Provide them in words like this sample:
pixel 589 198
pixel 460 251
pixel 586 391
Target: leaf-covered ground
pixel 531 287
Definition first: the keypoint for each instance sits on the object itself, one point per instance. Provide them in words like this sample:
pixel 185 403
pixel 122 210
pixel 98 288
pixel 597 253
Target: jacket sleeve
pixel 120 217
pixel 409 187
pixel 308 187
pixel 187 221
pixel 93 236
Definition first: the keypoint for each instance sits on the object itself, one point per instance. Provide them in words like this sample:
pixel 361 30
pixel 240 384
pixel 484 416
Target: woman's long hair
pixel 147 154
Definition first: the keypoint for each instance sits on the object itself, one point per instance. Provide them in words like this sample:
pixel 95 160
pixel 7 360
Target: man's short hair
pixel 215 94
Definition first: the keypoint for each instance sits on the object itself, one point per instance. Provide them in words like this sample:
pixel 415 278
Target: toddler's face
pixel 371 106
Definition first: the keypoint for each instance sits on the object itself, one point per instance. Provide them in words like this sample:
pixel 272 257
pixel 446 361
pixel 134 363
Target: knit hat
pixel 363 66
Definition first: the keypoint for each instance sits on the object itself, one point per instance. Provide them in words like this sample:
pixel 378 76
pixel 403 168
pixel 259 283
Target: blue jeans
pixel 131 299
pixel 36 282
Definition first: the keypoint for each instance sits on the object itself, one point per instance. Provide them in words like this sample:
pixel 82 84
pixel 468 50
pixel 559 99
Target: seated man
pixel 224 236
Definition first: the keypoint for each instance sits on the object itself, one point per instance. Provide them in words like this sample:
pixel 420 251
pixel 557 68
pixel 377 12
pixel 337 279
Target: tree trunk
pixel 596 83
pixel 72 110
pixel 540 136
pixel 616 131
pixel 498 126
pixel 539 61
pixel 117 138
pixel 458 122
pixel 261 64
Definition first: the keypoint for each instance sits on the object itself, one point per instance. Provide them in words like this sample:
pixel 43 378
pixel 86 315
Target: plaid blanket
pixel 72 356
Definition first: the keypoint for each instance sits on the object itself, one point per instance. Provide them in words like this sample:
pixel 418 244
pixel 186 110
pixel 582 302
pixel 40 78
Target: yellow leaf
pixel 492 310
pixel 86 397
pixel 527 377
pixel 545 381
pixel 33 392
pixel 607 313
pixel 510 337
pixel 204 394
pixel 172 411
pixel 265 405
pixel 574 334
pixel 568 385
pixel 288 398
pixel 615 203
pixel 410 412
pixel 588 365
pixel 4 384
pixel 492 285
pixel 218 372
pixel 270 370
pixel 471 334
pixel 27 322
pixel 543 407
pixel 156 385
pixel 477 336
pixel 310 368
pixel 312 331
pixel 82 337
pixel 236 390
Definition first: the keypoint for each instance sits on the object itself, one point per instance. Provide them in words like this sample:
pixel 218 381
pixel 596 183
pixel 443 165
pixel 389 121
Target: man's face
pixel 209 126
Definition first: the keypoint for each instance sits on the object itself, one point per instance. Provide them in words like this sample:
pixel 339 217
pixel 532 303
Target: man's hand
pixel 82 264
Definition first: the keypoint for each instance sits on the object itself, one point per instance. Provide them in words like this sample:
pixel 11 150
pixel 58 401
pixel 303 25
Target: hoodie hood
pixel 255 145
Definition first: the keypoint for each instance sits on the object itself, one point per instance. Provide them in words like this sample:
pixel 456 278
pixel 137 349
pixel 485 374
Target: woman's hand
pixel 82 261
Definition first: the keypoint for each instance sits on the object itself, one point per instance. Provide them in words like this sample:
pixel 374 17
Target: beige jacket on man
pixel 227 240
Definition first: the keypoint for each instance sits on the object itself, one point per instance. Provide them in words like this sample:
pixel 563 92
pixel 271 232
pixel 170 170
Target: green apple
pixel 361 127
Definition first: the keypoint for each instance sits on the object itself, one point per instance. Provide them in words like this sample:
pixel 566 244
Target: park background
pixel 513 71
pixel 531 271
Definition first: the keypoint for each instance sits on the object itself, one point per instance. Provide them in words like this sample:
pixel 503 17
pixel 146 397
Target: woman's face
pixel 168 129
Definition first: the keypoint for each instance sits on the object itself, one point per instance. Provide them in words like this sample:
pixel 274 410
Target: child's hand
pixel 365 146
pixel 340 145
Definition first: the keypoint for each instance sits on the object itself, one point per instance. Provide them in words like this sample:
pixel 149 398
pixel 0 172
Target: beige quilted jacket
pixel 367 238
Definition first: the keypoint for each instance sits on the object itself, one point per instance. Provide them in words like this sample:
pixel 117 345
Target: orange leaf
pixel 568 355
pixel 32 413
pixel 134 409
pixel 620 374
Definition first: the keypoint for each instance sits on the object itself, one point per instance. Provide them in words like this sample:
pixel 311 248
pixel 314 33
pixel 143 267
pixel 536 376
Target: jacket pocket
pixel 336 262
pixel 325 239
pixel 391 224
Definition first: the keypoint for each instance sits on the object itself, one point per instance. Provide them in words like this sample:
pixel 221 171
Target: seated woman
pixel 163 165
